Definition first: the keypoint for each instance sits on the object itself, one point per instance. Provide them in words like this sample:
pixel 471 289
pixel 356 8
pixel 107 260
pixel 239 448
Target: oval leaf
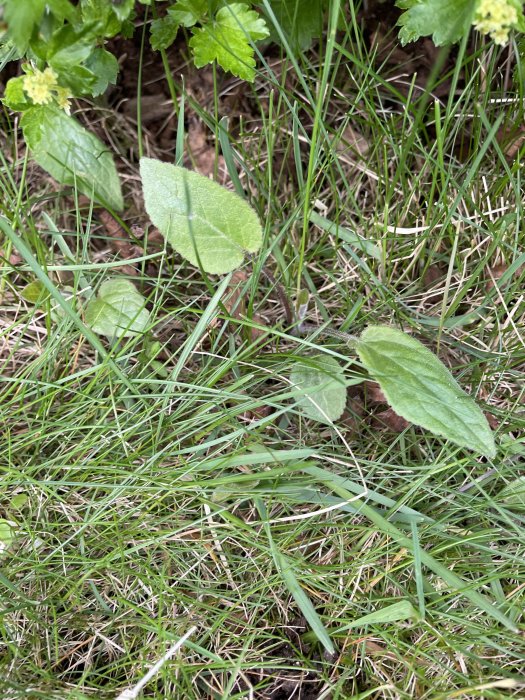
pixel 118 310
pixel 322 388
pixel 71 154
pixel 200 219
pixel 35 292
pixel 7 533
pixel 421 389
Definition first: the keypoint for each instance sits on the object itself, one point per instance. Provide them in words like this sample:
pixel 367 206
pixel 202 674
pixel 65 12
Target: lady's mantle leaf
pixel 188 12
pixel 321 388
pixel 163 32
pixel 71 154
pixel 118 310
pixel 422 390
pixel 228 38
pixel 202 220
pixel 445 20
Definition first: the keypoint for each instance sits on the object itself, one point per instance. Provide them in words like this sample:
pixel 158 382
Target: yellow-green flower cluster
pixel 42 88
pixel 496 18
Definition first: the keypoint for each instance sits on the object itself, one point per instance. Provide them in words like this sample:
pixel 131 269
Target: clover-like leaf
pixel 200 219
pixel 420 388
pixel 71 154
pixel 118 311
pixel 320 383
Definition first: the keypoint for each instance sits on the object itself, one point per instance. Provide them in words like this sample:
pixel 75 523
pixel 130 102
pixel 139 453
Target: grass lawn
pixel 151 494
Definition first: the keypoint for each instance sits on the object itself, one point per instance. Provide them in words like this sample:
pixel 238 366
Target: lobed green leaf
pixel 445 20
pixel 228 40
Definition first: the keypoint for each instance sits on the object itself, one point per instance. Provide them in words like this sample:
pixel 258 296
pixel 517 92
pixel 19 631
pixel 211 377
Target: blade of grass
pixel 476 598
pixel 284 567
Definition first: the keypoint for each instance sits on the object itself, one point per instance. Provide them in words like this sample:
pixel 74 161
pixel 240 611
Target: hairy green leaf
pixel 421 389
pixel 69 47
pixel 119 309
pixel 200 219
pixel 346 235
pixel 321 385
pixel 228 40
pixel 446 20
pixel 71 154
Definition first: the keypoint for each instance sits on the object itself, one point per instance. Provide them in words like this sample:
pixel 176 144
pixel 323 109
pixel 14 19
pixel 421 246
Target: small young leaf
pixel 7 533
pixel 396 612
pixel 163 32
pixel 346 235
pixel 19 501
pixel 119 310
pixel 34 292
pixel 321 384
pixel 188 12
pixel 227 40
pixel 14 96
pixel 122 8
pixel 200 219
pixel 421 389
pixel 71 154
pixel 446 20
